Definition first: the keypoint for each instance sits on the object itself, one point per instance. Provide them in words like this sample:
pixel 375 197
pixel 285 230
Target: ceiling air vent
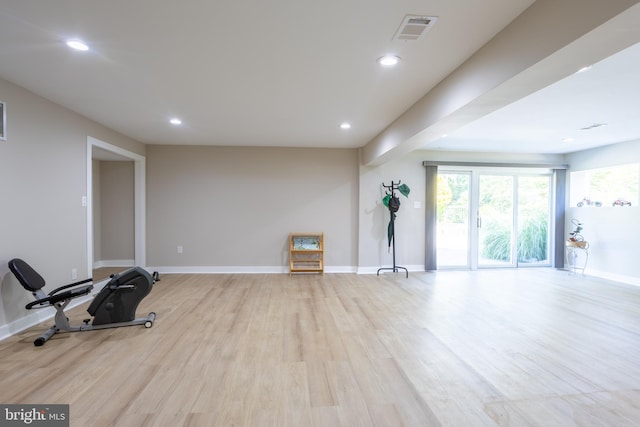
pixel 414 26
pixel 593 126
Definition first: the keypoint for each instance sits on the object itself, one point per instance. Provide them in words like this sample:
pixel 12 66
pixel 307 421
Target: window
pixel 611 186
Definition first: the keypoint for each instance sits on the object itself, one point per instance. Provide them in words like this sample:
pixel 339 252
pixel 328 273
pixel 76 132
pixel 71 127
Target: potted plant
pixel 575 237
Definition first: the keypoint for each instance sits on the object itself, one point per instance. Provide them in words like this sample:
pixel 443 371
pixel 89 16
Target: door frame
pixel 139 200
pixel 475 171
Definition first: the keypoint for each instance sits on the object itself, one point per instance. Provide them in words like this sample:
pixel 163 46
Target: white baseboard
pixel 217 270
pixel 340 269
pixel 40 315
pixel 374 270
pixel 629 280
pixel 240 269
pixel 35 317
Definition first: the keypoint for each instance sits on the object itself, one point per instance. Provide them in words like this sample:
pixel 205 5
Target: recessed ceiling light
pixel 345 125
pixel 175 121
pixel 388 61
pixel 568 139
pixel 77 45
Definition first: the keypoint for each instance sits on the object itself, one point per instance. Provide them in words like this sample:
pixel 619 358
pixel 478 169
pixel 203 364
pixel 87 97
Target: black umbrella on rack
pixel 392 202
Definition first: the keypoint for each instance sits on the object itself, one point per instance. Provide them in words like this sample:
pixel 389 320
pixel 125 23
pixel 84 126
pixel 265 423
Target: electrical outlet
pixel 179 249
pixel 74 273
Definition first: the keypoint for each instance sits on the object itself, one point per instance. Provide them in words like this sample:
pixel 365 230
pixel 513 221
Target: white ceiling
pixel 565 116
pixel 287 73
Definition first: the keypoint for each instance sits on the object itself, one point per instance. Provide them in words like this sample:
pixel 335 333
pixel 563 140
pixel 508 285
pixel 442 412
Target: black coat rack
pixel 391 191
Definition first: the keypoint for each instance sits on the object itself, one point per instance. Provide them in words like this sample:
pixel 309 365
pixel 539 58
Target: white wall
pixel 373 249
pixel 232 209
pixel 43 178
pixel 116 215
pixel 613 232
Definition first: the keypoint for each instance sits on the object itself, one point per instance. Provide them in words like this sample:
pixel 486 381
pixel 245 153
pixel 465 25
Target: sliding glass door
pixel 492 219
pixel 495 221
pixel 534 216
pixel 453 231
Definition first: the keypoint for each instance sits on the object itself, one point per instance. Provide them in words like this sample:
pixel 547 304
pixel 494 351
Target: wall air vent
pixel 414 26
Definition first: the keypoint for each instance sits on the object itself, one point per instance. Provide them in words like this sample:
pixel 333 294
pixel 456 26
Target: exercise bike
pixel 114 306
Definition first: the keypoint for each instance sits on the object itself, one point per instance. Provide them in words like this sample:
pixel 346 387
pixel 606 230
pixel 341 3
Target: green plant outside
pixel 532 240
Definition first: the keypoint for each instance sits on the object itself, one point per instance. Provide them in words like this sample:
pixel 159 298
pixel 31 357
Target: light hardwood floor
pixel 99 274
pixel 535 347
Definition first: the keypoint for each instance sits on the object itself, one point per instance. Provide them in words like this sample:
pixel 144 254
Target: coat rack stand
pixel 390 191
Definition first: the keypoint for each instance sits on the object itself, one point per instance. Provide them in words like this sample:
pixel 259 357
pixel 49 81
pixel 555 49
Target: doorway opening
pixel 100 150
